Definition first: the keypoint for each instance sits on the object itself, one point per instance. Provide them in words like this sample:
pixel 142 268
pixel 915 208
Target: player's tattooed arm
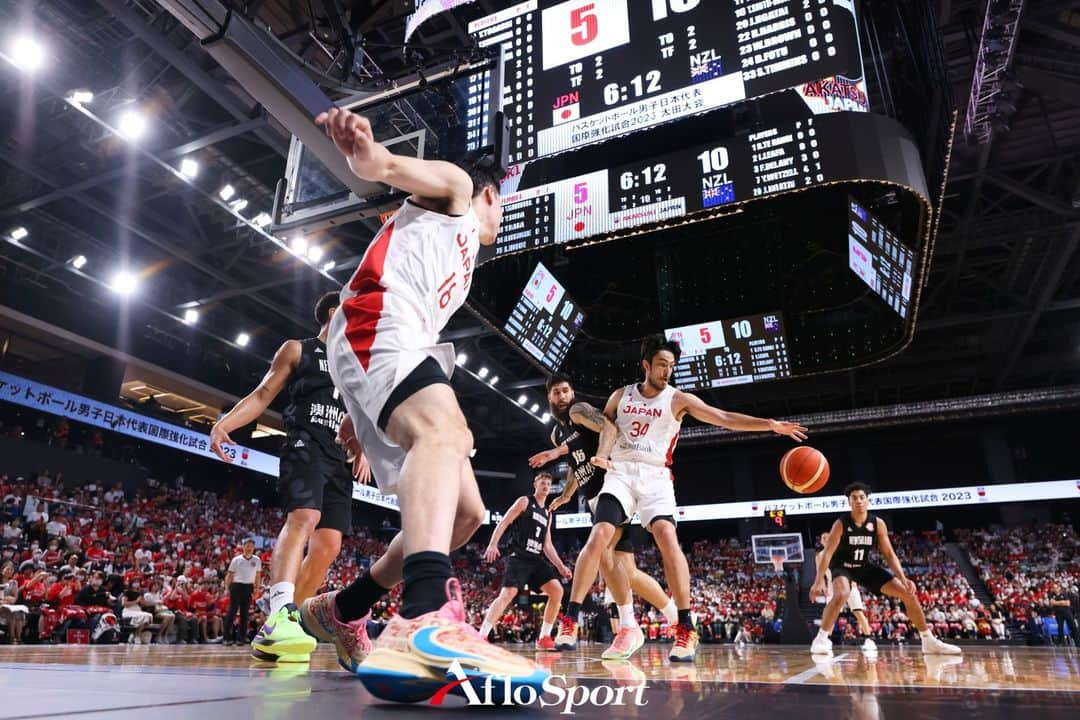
pixel 584 414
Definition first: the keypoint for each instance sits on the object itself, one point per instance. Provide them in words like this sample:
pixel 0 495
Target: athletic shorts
pixel 871 577
pixel 854 601
pixel 626 542
pixel 375 378
pixel 523 571
pixel 647 490
pixel 309 479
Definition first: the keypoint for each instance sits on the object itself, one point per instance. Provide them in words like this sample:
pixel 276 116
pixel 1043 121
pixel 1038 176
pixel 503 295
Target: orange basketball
pixel 804 469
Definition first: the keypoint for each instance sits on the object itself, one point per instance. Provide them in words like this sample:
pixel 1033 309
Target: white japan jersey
pixel 647 427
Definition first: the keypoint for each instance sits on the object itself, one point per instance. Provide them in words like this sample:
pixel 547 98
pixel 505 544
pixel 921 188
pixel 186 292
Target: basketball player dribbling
pixel 847 555
pixel 854 603
pixel 648 416
pixel 393 376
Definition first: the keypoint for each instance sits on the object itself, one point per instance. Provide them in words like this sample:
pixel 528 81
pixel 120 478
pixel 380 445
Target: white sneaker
pixel 821 646
pixel 869 647
pixel 933 646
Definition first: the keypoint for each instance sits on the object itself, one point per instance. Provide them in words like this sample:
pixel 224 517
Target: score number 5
pixel 576 29
pixel 585 25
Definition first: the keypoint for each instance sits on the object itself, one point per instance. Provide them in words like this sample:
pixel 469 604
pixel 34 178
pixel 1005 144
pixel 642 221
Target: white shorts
pixel 854 601
pixel 365 378
pixel 647 490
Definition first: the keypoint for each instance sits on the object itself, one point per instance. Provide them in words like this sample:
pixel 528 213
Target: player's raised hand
pixel 219 437
pixel 542 458
pixel 793 430
pixel 353 136
pixel 491 554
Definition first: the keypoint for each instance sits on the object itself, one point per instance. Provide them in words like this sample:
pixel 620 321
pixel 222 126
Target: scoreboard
pixel 879 258
pixel 730 352
pixel 545 319
pixel 585 71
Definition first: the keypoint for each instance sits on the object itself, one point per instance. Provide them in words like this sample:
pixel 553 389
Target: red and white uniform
pixel 413 278
pixel 648 431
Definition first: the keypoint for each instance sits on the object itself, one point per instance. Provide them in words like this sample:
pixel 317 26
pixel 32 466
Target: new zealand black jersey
pixel 315 411
pixel 582 443
pixel 529 531
pixel 856 542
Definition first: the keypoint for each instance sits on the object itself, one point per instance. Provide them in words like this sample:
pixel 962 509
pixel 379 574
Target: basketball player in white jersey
pixel 854 603
pixel 647 417
pixel 386 360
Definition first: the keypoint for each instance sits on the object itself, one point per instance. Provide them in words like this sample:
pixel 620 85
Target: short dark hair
pixel 483 172
pixel 322 307
pixel 558 379
pixel 856 486
pixel 655 343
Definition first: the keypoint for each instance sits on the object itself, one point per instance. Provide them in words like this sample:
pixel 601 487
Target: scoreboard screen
pixel 545 319
pixel 781 158
pixel 585 71
pixel 731 352
pixel 879 258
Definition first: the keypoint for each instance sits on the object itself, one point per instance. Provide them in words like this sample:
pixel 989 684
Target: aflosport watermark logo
pixel 499 687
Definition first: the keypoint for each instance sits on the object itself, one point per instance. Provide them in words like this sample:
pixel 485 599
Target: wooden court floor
pixel 211 681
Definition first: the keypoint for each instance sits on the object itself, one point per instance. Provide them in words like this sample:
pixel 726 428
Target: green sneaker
pixel 281 635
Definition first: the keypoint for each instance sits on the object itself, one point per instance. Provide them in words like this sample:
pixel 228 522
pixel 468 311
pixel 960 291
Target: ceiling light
pixel 461 358
pixel 81 97
pixel 189 168
pixel 494 380
pixel 191 316
pixel 78 262
pixel 328 266
pixel 315 253
pixel 19 233
pixel 132 125
pixel 546 417
pixel 522 400
pixel 124 283
pixel 299 245
pixel 534 408
pixel 226 192
pixel 262 220
pixel 483 372
pixel 239 205
pixel 243 339
pixel 26 53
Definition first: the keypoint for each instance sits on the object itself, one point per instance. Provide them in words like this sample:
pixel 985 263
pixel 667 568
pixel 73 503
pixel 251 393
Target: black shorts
pixel 428 372
pixel 871 577
pixel 310 479
pixel 522 571
pixel 626 539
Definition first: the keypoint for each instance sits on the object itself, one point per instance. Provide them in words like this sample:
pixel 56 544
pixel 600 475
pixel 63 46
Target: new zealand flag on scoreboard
pixel 720 195
pixel 700 72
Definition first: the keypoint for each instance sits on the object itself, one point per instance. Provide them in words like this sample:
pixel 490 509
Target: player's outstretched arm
pixel 248 410
pixel 441 183
pixel 685 403
pixel 825 557
pixel 609 433
pixel 567 493
pixel 887 551
pixel 491 554
pixel 553 555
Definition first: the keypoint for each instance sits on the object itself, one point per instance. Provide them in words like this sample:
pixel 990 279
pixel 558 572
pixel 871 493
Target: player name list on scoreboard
pixel 731 352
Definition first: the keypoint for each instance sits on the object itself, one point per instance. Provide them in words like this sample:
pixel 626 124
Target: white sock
pixel 822 634
pixel 926 634
pixel 281 594
pixel 485 629
pixel 671 613
pixel 545 629
pixel 626 616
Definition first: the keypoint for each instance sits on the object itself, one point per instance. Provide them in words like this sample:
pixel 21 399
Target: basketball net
pixel 778 563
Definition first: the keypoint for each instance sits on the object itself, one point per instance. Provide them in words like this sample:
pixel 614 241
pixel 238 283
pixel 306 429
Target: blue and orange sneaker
pixel 412 657
pixel 282 637
pixel 319 618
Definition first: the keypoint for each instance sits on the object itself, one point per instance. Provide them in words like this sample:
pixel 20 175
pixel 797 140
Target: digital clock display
pixel 730 352
pixel 584 71
pixel 879 258
pixel 703 178
pixel 545 319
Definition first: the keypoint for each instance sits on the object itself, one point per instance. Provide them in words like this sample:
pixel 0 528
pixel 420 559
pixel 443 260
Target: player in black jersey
pixel 577 435
pixel 313 481
pixel 530 526
pixel 847 555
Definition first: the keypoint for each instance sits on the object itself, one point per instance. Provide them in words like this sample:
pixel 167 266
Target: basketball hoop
pixel 778 562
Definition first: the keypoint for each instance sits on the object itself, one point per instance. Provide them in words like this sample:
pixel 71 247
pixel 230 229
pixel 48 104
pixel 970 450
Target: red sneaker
pixel 546 644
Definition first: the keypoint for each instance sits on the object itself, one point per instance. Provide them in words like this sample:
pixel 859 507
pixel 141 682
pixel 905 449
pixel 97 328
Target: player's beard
pixel 563 416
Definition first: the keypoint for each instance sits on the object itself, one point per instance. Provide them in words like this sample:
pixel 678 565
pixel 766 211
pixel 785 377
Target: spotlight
pixel 522 400
pixel 546 417
pixel 189 168
pixel 483 372
pixel 81 97
pixel 243 339
pixel 191 316
pixel 262 220
pixel 132 125
pixel 19 233
pixel 328 265
pixel 315 253
pixel 494 380
pixel 461 358
pixel 124 283
pixel 226 192
pixel 299 245
pixel 26 53
pixel 534 408
pixel 238 205
pixel 78 262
